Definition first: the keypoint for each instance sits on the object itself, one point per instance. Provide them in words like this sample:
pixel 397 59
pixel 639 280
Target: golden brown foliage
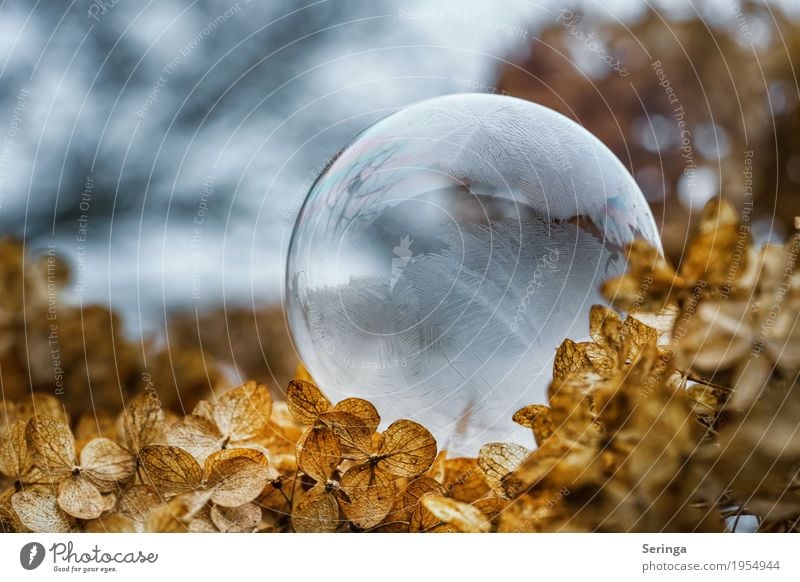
pixel 681 416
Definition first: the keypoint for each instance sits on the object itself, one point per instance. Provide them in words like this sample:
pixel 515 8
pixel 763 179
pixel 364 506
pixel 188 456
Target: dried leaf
pixel 196 434
pixel 15 458
pixel 214 461
pixel 79 498
pixel 242 519
pixel 463 480
pixel 243 413
pixel 306 401
pixel 369 495
pixel 174 515
pixel 361 409
pixel 138 501
pixel 497 461
pixel 316 511
pixel 408 449
pixel 52 447
pixel 461 516
pixel 570 358
pixel 237 481
pixel 320 454
pixel 141 423
pixel 105 464
pixel 171 470
pixel 39 512
pixel 355 437
pixel 525 416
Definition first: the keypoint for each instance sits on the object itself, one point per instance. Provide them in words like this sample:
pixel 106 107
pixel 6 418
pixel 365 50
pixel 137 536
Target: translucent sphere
pixel 443 256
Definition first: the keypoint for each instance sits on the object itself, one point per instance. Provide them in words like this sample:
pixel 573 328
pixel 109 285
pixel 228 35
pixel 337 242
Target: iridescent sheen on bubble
pixel 442 257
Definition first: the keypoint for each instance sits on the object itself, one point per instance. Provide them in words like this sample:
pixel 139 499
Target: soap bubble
pixel 442 257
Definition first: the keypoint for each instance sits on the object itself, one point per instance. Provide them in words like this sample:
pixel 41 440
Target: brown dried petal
pixel 171 470
pixel 39 512
pixel 80 498
pixel 525 416
pixel 605 325
pixel 355 437
pixel 497 460
pixel 407 502
pixel 242 519
pixel 15 458
pixel 362 409
pixel 243 413
pixel 142 422
pixel 306 401
pixel 369 495
pixel 463 480
pixel 423 521
pixel 215 460
pixel 461 516
pixel 237 481
pixel 138 501
pixel 316 511
pixel 52 447
pixel 408 449
pixel 713 248
pixel 201 522
pixel 570 357
pixel 205 409
pixel 105 463
pixel 320 454
pixel 196 434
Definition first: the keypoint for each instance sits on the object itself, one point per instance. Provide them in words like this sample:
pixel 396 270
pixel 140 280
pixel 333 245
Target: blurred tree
pixel 688 105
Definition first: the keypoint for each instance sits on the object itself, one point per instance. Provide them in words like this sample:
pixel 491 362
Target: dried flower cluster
pixel 682 416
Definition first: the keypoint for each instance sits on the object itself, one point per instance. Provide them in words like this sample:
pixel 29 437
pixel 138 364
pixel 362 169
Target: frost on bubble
pixel 442 257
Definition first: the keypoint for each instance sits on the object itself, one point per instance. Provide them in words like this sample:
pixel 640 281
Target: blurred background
pixel 154 155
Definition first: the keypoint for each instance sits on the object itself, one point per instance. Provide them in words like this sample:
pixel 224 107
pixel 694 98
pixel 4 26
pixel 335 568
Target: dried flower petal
pixel 105 463
pixel 319 454
pixel 461 516
pixel 361 409
pixel 355 437
pixel 113 523
pixel 306 401
pixel 242 519
pixel 316 511
pixel 138 501
pixel 408 449
pixel 243 413
pixel 196 434
pixel 15 458
pixel 497 461
pixel 79 498
pixel 171 470
pixel 237 481
pixel 369 495
pixel 52 447
pixel 463 480
pixel 39 512
pixel 141 423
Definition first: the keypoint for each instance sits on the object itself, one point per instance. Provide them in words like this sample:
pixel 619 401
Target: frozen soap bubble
pixel 442 257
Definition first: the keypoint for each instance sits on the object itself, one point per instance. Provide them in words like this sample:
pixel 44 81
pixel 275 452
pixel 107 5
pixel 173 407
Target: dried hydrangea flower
pixel 239 418
pixel 651 284
pixel 81 483
pixel 753 336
